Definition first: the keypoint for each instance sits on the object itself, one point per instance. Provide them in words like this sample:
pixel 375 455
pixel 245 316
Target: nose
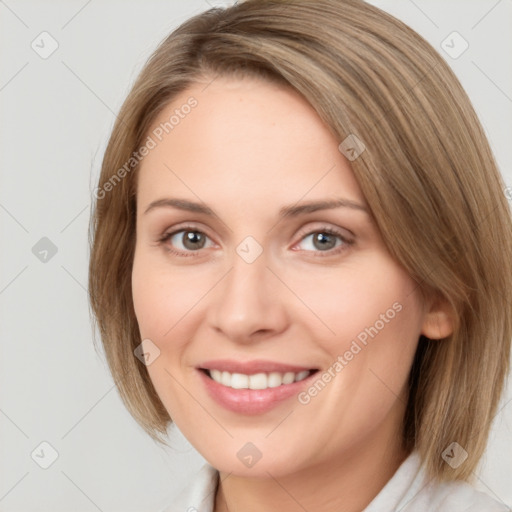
pixel 249 302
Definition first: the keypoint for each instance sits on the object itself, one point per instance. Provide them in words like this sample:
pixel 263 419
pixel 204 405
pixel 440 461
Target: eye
pixel 326 240
pixel 185 240
pixel 188 241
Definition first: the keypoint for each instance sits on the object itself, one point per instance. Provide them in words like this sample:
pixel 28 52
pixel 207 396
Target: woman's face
pixel 245 279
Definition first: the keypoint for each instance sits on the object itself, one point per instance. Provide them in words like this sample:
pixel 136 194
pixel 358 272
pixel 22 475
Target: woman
pixel 302 256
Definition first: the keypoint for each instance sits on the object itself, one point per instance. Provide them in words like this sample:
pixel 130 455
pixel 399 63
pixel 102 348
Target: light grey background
pixel 57 113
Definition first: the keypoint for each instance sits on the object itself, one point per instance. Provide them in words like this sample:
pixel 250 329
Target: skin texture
pixel 247 149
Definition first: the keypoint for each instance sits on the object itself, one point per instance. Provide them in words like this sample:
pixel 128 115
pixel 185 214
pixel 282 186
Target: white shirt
pixel 407 491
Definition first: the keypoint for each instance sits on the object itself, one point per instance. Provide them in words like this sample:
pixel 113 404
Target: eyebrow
pixel 285 211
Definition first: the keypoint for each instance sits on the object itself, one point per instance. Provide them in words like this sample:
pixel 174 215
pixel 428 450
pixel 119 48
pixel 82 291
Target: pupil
pixel 191 237
pixel 322 238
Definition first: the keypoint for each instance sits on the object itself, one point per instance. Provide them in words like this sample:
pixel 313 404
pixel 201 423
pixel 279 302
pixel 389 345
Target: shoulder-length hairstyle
pixel 427 173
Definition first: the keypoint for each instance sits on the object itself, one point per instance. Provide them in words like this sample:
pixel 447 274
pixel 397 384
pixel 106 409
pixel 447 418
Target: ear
pixel 438 320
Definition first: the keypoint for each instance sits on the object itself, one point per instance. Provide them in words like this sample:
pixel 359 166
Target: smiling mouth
pixel 261 380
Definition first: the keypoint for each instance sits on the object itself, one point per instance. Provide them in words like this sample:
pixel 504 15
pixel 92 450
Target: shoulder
pixel 460 497
pixel 409 490
pixel 199 494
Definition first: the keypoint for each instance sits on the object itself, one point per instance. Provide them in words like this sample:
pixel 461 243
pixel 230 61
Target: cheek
pixel 359 301
pixel 374 318
pixel 163 299
pixel 370 324
pixel 164 306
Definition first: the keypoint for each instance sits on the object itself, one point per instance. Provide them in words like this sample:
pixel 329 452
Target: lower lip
pixel 252 401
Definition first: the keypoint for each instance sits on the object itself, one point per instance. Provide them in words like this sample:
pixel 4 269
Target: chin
pixel 248 461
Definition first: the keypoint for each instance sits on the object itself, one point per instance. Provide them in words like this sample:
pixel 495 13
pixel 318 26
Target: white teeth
pixel 288 377
pixel 274 379
pixel 216 375
pixel 239 381
pixel 302 375
pixel 226 379
pixel 257 380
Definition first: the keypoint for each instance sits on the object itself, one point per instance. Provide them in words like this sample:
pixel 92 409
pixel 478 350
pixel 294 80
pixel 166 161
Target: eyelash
pixel 327 230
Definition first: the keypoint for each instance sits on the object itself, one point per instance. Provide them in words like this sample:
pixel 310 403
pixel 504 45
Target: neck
pixel 347 482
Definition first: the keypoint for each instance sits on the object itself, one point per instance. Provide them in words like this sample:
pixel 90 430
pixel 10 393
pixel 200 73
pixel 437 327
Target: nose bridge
pixel 247 282
pixel 246 301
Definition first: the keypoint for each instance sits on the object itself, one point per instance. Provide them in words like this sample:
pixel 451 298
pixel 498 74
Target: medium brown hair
pixel 427 174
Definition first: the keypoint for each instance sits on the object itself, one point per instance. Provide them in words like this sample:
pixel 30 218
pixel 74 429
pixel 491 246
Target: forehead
pixel 244 139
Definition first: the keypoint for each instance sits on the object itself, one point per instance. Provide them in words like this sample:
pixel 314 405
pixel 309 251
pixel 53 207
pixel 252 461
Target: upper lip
pixel 251 367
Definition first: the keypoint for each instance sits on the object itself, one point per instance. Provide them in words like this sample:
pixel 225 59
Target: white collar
pixel 408 490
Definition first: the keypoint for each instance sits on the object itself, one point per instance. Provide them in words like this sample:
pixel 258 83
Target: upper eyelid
pixel 192 226
pixel 325 225
pixel 186 227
